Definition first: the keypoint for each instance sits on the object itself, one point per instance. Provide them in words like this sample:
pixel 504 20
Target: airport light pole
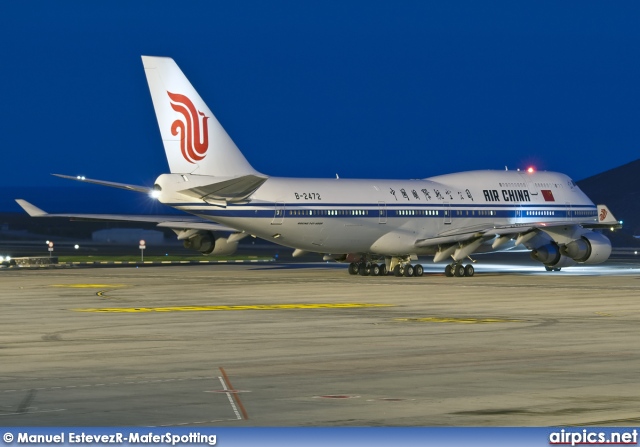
pixel 142 247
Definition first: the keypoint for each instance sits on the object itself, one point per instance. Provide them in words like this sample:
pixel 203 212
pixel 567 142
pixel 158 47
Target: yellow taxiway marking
pixel 226 308
pixel 458 320
pixel 88 286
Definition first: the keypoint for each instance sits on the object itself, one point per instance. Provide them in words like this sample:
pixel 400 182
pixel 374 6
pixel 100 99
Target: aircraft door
pixel 382 212
pixel 447 213
pixel 519 214
pixel 569 213
pixel 278 216
pixel 531 186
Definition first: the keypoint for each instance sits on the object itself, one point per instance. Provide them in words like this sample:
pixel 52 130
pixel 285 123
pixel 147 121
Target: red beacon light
pixel 530 169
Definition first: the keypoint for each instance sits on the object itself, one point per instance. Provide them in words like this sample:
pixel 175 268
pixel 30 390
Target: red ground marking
pixel 235 394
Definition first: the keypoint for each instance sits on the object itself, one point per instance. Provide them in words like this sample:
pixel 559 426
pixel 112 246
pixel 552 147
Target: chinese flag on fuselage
pixel 548 195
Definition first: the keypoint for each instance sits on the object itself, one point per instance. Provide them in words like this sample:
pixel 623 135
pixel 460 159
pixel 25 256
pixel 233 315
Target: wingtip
pixel 31 210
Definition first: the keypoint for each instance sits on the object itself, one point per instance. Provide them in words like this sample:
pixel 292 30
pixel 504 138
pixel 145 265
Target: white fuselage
pixel 387 217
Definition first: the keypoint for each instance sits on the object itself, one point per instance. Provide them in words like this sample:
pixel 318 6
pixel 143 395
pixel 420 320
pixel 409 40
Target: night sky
pixel 365 89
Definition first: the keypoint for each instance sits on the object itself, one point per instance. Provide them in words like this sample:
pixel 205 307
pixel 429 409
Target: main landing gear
pixel 408 270
pixel 373 269
pixel 459 270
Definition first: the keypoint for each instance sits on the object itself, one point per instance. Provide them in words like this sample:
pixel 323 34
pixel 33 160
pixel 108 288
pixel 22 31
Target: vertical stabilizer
pixel 194 140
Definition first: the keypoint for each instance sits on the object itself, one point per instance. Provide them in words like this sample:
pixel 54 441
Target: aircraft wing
pixel 465 235
pixel 173 221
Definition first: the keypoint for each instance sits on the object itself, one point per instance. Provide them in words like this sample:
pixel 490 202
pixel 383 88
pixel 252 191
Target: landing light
pixel 154 194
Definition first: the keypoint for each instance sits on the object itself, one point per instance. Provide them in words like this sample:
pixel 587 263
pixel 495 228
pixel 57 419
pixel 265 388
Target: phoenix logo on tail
pixel 193 143
pixel 603 214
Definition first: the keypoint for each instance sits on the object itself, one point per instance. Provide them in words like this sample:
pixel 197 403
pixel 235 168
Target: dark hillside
pixel 619 189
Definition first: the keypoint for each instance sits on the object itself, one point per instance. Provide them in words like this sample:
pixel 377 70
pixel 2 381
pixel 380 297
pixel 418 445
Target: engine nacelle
pixel 551 256
pixel 547 254
pixel 591 248
pixel 208 244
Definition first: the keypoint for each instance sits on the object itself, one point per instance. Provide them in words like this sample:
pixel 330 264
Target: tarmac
pixel 309 345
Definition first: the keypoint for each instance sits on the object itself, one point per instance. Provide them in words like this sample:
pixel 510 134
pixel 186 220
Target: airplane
pixel 378 226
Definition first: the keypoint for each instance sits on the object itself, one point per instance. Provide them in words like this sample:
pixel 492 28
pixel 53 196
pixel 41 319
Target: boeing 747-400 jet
pixel 378 226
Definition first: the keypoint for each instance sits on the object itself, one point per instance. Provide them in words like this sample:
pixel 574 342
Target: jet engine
pixel 207 243
pixel 591 248
pixel 551 256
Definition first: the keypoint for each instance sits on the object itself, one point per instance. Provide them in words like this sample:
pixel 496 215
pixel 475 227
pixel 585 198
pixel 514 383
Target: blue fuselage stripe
pixel 535 212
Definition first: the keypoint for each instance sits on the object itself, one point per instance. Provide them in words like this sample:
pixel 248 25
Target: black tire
pixel 408 270
pixel 557 269
pixel 375 270
pixel 469 271
pixel 383 270
pixel 353 268
pixel 397 271
pixel 458 270
pixel 448 271
pixel 418 270
pixel 548 269
pixel 363 270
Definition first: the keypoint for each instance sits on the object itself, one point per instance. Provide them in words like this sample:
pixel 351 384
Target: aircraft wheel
pixel 383 270
pixel 408 270
pixel 448 271
pixel 418 270
pixel 548 269
pixel 363 270
pixel 469 270
pixel 458 270
pixel 557 269
pixel 353 268
pixel 375 270
pixel 397 271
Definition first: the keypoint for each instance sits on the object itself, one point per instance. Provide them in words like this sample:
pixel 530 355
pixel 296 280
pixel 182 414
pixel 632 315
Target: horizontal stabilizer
pixel 606 219
pixel 233 190
pixel 136 188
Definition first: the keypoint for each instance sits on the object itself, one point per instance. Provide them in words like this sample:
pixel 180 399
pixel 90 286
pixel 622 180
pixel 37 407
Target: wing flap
pixel 208 226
